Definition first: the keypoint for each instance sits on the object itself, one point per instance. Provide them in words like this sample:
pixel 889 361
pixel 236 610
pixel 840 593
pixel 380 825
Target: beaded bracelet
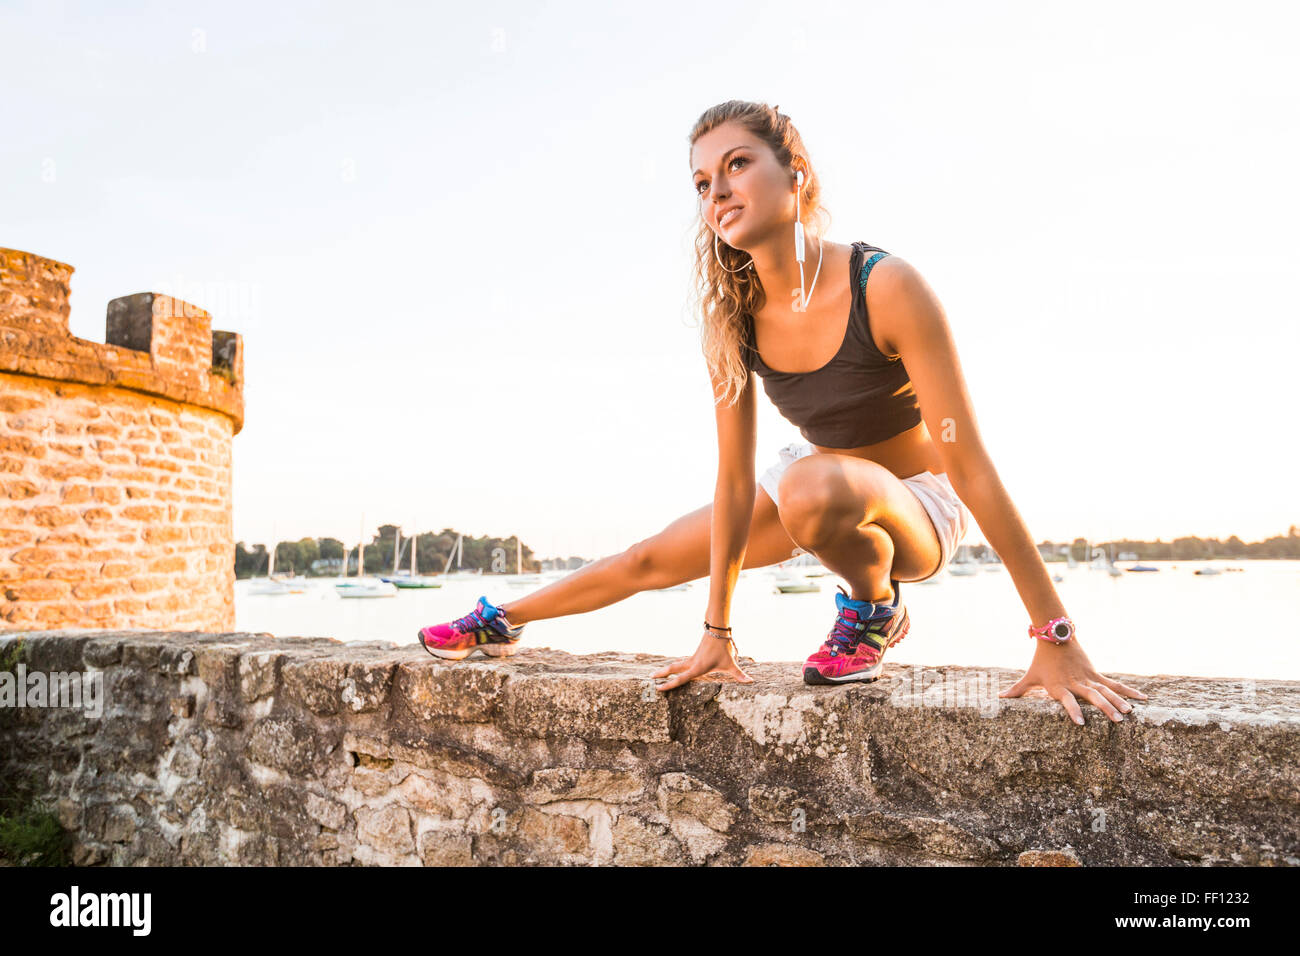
pixel 727 636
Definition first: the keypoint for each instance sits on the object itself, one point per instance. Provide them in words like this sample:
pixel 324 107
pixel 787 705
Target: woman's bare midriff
pixel 906 454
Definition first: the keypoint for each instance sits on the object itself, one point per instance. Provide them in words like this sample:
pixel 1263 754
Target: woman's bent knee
pixel 648 564
pixel 639 560
pixel 812 512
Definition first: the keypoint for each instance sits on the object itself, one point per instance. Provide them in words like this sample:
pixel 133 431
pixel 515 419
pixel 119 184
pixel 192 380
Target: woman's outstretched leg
pixel 678 553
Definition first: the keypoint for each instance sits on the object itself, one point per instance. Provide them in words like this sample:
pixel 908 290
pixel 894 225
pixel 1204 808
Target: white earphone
pixel 798 224
pixel 798 244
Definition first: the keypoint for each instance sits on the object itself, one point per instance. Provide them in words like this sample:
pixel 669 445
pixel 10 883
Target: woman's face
pixel 734 170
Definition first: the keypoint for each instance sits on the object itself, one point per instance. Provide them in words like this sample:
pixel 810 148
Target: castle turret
pixel 115 483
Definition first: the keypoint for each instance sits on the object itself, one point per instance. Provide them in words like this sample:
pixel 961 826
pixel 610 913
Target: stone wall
pixel 115 482
pixel 245 748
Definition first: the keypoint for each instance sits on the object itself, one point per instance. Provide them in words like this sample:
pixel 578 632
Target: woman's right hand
pixel 713 654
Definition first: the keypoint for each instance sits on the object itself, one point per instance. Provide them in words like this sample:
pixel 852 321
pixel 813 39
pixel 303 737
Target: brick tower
pixel 115 485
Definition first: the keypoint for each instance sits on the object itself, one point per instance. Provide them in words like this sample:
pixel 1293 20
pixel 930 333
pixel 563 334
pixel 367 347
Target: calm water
pixel 1235 624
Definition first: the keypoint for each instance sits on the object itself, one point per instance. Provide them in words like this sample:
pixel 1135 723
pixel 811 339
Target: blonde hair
pixel 726 300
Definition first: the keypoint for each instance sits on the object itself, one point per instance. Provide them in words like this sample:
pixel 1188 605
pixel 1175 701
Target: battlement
pixel 153 343
pixel 115 458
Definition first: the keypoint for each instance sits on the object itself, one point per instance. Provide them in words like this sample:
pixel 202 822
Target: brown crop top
pixel 860 396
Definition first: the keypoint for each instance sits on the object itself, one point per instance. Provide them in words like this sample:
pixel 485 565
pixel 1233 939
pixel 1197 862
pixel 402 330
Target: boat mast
pixel 453 555
pixel 397 550
pixel 361 548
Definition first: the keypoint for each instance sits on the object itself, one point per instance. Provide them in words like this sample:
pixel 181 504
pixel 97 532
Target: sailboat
pixel 409 579
pixel 555 573
pixel 457 553
pixel 809 564
pixel 795 574
pixel 363 587
pixel 1101 561
pixel 963 565
pixel 519 579
pixel 790 580
pixel 270 585
pixel 1113 571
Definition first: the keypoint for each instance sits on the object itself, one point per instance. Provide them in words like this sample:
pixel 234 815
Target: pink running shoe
pixel 485 628
pixel 854 649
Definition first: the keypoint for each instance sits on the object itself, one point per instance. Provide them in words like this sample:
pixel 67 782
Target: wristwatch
pixel 1056 631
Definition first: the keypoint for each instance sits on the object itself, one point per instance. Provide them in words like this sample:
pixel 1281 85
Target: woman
pixel 871 492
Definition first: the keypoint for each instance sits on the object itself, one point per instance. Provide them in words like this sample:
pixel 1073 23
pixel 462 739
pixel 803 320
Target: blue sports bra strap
pixel 866 268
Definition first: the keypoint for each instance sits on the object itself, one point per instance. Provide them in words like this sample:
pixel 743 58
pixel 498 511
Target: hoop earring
pixel 724 268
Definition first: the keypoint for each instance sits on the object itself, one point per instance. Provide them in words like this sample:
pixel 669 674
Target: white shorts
pixel 948 513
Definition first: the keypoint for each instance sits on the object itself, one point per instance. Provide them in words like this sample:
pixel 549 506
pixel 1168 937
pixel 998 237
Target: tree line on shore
pixel 1278 547
pixel 324 556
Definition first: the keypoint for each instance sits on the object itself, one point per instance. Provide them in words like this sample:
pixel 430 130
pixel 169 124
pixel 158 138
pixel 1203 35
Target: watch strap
pixel 1046 632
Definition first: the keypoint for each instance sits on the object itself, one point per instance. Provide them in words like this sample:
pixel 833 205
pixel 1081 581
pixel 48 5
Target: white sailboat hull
pixel 365 589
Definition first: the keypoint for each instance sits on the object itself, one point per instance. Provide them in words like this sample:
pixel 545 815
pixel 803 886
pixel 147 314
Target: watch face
pixel 1061 631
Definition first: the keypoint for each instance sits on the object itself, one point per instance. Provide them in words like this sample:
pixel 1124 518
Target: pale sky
pixel 455 239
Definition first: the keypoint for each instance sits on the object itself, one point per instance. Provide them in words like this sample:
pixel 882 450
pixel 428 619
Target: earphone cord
pixel 798 246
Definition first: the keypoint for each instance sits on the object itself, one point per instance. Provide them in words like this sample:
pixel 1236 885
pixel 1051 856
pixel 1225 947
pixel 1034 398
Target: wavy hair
pixel 726 300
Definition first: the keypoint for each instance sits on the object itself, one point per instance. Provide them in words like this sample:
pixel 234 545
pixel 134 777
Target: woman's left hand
pixel 1064 671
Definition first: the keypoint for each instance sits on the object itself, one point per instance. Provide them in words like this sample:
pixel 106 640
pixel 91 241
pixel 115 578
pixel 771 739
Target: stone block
pixel 387 829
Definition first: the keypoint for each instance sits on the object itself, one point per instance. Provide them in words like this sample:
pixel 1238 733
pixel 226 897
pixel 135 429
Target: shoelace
pixel 843 632
pixel 471 621
pixel 845 636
